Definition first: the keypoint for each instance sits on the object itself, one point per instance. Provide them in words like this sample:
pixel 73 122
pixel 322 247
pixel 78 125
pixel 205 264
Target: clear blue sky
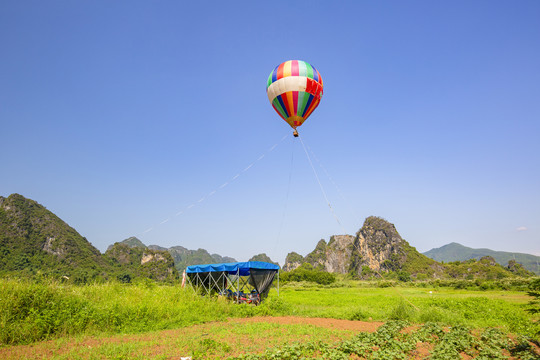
pixel 119 115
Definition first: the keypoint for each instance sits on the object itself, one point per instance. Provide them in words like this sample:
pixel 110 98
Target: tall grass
pixel 31 311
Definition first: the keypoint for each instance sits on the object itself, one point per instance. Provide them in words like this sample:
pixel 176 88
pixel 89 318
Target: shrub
pixel 402 311
pixel 404 276
pixel 306 272
pixel 534 291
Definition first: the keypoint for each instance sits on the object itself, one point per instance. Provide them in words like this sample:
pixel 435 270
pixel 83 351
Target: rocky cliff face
pixel 377 246
pixel 293 261
pixel 332 257
pixel 337 251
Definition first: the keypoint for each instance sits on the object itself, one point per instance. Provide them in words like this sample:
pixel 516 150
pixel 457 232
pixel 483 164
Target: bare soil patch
pixel 353 325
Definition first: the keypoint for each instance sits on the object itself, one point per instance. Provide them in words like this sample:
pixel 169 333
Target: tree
pixel 534 291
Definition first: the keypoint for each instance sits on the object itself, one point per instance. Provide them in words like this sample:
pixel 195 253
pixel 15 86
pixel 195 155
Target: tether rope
pixel 322 188
pixel 218 188
pixel 356 216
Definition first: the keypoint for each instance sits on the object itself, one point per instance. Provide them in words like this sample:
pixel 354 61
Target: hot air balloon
pixel 294 89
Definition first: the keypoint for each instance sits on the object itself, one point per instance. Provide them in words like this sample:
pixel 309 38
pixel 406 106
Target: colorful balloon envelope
pixel 294 89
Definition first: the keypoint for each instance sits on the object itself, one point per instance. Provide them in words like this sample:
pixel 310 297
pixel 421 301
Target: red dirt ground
pixel 359 326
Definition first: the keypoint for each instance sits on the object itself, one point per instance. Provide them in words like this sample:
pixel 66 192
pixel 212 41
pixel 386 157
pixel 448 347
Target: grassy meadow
pixel 62 319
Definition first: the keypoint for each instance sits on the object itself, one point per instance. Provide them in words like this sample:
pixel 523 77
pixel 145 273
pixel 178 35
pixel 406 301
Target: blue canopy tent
pixel 232 279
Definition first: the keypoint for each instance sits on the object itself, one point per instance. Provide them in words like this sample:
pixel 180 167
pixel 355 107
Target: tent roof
pixel 233 268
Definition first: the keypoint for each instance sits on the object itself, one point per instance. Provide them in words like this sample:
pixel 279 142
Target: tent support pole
pixel 238 288
pixel 278 283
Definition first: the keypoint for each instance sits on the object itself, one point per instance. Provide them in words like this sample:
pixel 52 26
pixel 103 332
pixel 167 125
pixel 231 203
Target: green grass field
pixel 71 316
pixel 505 309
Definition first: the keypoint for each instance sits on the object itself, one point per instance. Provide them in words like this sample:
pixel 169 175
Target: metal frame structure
pixel 221 279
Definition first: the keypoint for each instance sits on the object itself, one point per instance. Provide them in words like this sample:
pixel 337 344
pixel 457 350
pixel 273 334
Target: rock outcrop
pixel 376 247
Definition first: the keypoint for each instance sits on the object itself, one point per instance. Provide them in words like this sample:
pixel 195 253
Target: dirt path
pixel 359 326
pixel 166 343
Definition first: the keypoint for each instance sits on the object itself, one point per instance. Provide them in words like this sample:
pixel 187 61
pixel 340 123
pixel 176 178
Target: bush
pixel 402 311
pixel 404 276
pixel 306 272
pixel 359 315
pixel 534 291
pixel 31 312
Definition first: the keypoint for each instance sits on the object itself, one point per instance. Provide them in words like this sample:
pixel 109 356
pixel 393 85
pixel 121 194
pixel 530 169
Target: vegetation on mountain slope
pixel 35 243
pixel 457 252
pixel 264 258
pixel 379 251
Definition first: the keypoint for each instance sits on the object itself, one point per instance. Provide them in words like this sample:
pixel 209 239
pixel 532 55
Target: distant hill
pixel 133 242
pixel 264 258
pixel 222 259
pixel 457 252
pixel 182 257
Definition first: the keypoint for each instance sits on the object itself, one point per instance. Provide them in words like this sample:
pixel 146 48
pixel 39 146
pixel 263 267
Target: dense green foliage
pixel 390 342
pixel 534 292
pixel 30 311
pixel 133 242
pixel 34 241
pixel 417 263
pixel 317 256
pixel 306 272
pixel 293 258
pixel 484 268
pixel 136 262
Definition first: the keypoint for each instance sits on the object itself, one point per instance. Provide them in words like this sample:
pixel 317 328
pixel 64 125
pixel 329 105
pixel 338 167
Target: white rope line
pixel 220 187
pixel 320 185
pixel 356 216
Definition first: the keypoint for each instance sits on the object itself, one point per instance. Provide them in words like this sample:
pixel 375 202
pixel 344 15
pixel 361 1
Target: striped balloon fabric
pixel 294 89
